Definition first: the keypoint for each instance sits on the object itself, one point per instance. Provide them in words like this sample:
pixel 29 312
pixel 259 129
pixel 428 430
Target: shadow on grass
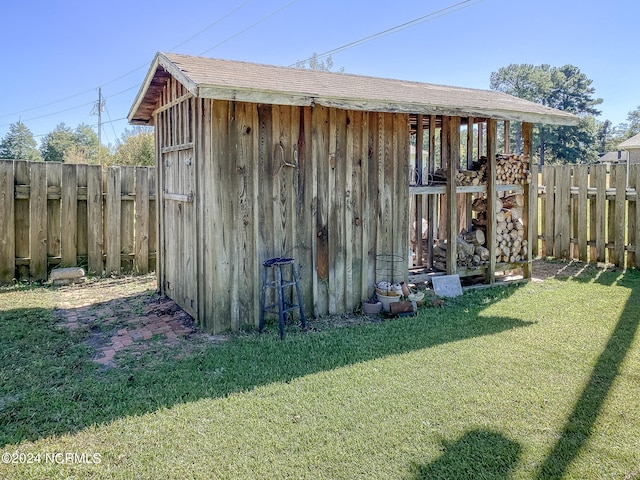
pixel 49 385
pixel 580 423
pixel 477 454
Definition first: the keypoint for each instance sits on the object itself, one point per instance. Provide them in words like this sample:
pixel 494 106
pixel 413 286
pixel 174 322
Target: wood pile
pixel 512 170
pixel 511 243
pixel 471 252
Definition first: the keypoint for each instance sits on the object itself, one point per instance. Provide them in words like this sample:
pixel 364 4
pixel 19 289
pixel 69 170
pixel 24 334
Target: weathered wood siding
pixel 344 202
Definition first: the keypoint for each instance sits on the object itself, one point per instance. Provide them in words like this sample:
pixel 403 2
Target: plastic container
pixel 387 300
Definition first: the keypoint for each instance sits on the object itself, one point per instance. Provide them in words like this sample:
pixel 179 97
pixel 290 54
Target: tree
pixel 135 147
pixel 564 88
pixel 634 122
pixel 72 146
pixel 315 63
pixel 19 144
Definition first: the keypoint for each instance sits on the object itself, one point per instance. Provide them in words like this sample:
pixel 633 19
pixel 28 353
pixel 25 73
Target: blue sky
pixel 55 54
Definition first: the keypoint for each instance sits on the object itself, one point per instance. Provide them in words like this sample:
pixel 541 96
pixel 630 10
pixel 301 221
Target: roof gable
pixel 631 143
pixel 249 82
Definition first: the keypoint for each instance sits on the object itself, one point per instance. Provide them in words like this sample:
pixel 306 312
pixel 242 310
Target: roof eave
pixel 309 99
pixel 135 116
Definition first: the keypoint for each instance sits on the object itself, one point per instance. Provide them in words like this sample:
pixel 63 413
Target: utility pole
pixel 97 110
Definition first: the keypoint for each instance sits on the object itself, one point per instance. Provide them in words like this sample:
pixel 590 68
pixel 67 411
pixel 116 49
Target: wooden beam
pixel 531 198
pixel 418 198
pixel 491 199
pixel 451 152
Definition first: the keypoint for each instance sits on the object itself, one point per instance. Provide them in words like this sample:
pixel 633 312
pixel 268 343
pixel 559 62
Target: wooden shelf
pixel 441 189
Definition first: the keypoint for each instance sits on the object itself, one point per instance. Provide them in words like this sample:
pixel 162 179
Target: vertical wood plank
pixel 417 240
pixel 402 141
pixel 7 220
pixel 82 235
pixel 535 208
pixel 636 179
pixel 611 218
pixel 634 255
pixel 54 184
pixel 69 214
pixel 153 220
pixel 451 138
pixel 38 222
pixel 600 181
pixel 432 201
pixel 352 294
pixel 159 122
pixel 620 214
pixel 242 133
pixel 562 226
pixel 113 214
pixel 529 213
pixel 95 232
pixel 507 136
pixel 337 213
pixel 367 265
pixel 321 141
pixel 141 239
pixel 549 177
pixel 491 199
pixel 21 209
pixel 127 220
pixel 581 174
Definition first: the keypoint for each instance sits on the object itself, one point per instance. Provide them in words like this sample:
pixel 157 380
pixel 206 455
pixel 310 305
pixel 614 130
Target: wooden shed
pixel 257 161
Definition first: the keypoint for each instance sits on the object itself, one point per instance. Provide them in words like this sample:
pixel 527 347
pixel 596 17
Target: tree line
pixel 564 88
pixel 80 145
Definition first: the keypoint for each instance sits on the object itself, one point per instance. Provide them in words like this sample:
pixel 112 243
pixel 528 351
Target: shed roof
pixel 633 142
pixel 250 82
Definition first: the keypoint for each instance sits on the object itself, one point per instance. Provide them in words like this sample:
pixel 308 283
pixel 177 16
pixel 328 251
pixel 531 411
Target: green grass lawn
pixel 540 380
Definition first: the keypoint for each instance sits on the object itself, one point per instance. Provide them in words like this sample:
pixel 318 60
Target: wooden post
pixel 548 178
pixel 468 197
pixel 418 198
pixel 530 210
pixel 432 203
pixel 507 136
pixel 451 150
pixel 491 199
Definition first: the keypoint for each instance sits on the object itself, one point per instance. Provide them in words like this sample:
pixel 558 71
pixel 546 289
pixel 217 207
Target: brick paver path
pixel 122 314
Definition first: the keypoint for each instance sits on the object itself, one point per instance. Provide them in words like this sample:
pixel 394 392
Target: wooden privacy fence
pixel 589 213
pixel 54 214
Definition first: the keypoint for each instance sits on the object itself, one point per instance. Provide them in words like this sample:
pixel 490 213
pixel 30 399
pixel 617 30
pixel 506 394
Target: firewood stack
pixel 512 170
pixel 511 244
pixel 471 251
pixel 472 177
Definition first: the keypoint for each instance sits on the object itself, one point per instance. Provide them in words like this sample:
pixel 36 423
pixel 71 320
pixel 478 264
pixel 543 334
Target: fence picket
pixel 38 222
pixel 7 235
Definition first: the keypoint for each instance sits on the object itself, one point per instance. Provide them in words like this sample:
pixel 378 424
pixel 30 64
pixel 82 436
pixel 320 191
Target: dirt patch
pixel 126 314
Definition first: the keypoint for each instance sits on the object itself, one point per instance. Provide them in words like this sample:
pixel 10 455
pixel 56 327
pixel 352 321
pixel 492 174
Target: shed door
pixel 179 221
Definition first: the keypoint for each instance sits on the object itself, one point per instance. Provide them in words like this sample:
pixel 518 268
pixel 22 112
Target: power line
pixel 416 21
pixel 249 27
pixel 145 65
